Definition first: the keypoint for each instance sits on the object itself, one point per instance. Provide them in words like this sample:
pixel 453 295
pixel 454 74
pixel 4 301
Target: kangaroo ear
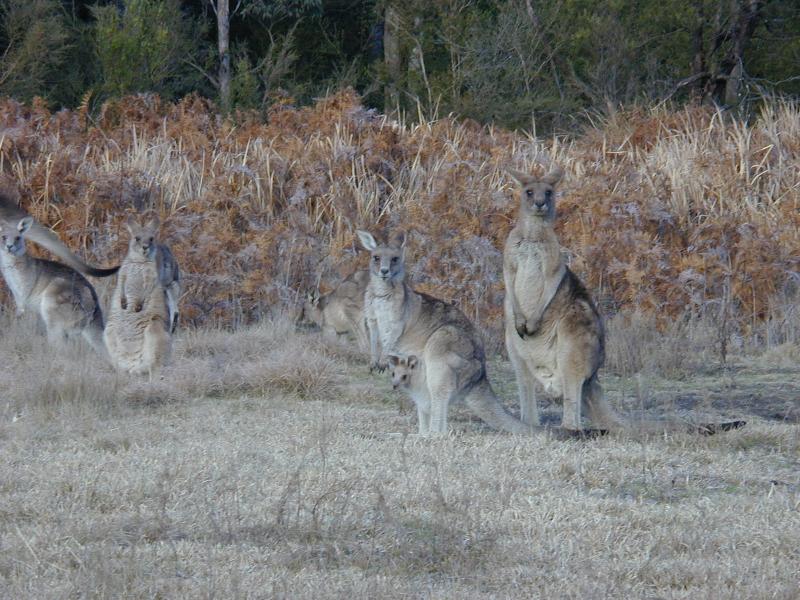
pixel 394 360
pixel 399 238
pixel 130 223
pixel 25 224
pixel 520 177
pixel 367 240
pixel 154 222
pixel 554 176
pixel 412 362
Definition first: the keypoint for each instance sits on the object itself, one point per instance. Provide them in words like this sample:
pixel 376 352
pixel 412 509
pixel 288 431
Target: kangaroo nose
pixel 384 270
pixel 540 203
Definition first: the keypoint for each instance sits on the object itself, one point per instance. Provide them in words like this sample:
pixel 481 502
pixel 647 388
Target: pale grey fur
pixel 143 309
pixel 62 297
pixel 11 215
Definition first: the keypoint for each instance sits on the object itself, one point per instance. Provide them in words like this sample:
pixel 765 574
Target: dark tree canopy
pixel 511 62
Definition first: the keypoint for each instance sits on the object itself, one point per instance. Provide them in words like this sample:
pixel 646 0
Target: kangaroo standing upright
pixel 65 301
pixel 404 322
pixel 143 313
pixel 554 334
pixel 143 249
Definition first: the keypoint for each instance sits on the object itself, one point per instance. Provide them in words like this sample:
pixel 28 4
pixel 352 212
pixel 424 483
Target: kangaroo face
pixel 403 370
pixel 143 238
pixel 386 262
pixel 13 239
pixel 538 196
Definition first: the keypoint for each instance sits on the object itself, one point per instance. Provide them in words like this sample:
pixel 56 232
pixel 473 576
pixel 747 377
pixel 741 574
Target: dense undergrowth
pixel 668 213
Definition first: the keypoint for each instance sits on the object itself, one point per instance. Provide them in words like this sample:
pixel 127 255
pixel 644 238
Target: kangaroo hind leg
pixel 173 294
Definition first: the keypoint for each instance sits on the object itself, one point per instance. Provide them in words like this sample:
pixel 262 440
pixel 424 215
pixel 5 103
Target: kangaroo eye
pixel 548 195
pixel 138 239
pixel 405 377
pixel 529 193
pixel 394 260
pixel 150 240
pixel 377 259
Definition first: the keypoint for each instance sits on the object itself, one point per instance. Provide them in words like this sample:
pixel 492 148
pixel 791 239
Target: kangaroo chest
pixel 14 272
pixel 533 283
pixel 387 311
pixel 140 277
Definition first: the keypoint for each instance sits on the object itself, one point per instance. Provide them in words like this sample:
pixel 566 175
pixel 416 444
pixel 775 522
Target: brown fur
pixel 404 322
pixel 143 247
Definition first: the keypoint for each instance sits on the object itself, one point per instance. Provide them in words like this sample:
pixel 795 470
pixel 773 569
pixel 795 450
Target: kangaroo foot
pixel 713 428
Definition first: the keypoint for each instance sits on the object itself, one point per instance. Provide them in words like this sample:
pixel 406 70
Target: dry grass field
pixel 269 464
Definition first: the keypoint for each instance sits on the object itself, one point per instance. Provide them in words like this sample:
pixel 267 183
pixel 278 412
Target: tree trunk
pixel 391 57
pixel 699 63
pixel 731 71
pixel 223 40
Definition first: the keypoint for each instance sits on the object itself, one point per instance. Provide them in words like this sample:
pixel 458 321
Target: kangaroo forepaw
pixel 123 302
pixel 521 326
pixel 138 307
pixel 532 328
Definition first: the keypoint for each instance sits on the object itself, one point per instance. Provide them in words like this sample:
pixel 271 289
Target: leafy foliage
pixel 144 47
pixel 36 40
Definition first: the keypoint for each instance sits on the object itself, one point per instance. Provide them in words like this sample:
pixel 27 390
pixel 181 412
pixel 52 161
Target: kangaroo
pixel 553 331
pixel 143 248
pixel 11 214
pixel 143 314
pixel 342 310
pixel 402 321
pixel 405 373
pixel 62 297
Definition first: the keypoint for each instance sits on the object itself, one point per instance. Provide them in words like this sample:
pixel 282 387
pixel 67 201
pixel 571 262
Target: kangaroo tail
pixel 44 237
pixel 598 409
pixel 485 404
pixel 603 415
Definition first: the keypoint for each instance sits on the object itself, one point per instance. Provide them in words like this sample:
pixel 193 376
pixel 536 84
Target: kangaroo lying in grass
pixel 554 334
pixel 340 311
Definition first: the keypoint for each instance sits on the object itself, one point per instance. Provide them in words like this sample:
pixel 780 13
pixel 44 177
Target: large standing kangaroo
pixel 554 334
